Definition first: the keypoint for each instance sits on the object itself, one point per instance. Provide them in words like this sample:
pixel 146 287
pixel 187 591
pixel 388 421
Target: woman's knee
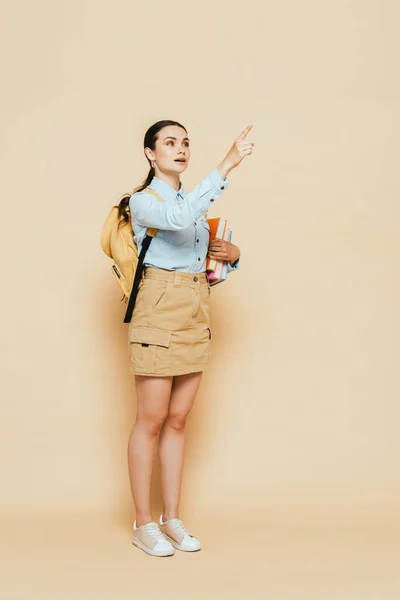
pixel 152 423
pixel 176 420
pixel 153 397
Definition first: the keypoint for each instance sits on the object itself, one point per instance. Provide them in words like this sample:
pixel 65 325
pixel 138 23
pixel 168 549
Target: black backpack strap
pixel 150 233
pixel 138 276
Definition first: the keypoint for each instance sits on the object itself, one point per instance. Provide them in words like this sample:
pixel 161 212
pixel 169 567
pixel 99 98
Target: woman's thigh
pixel 153 396
pixel 183 394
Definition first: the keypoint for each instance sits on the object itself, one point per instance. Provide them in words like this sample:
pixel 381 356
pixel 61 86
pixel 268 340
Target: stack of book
pixel 217 270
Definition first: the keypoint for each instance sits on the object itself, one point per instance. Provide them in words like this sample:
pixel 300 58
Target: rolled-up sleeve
pixel 150 212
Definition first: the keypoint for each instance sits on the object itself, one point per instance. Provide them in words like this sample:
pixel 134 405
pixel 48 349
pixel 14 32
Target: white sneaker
pixel 149 538
pixel 179 537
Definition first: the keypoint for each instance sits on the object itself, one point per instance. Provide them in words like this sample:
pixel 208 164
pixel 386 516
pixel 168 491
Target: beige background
pixel 292 452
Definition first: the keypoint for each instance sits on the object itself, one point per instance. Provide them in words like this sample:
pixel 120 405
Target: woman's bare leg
pixel 153 396
pixel 172 440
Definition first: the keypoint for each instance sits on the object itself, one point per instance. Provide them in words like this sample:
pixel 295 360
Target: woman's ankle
pixel 169 515
pixel 143 520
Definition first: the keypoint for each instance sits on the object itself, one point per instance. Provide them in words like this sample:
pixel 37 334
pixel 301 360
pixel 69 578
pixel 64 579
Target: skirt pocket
pixel 150 296
pixel 201 347
pixel 148 347
pixel 176 309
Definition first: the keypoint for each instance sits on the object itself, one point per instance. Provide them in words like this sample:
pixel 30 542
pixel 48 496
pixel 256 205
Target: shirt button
pixel 195 223
pixel 199 258
pixel 211 199
pixel 197 241
pixel 195 278
pixel 222 187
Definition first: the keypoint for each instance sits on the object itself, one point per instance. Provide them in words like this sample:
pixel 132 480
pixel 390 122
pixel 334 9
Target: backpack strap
pixel 151 232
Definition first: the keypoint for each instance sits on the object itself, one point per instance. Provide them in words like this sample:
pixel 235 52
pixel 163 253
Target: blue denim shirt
pixel 182 241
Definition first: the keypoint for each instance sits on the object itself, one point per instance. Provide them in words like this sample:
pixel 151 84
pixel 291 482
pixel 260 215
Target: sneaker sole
pixel 139 544
pixel 179 547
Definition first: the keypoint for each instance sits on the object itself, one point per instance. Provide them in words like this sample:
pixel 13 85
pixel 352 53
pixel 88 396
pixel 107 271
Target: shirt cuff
pixel 233 267
pixel 214 187
pixel 219 184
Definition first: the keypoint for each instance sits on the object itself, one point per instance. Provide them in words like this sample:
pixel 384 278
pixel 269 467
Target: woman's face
pixel 172 144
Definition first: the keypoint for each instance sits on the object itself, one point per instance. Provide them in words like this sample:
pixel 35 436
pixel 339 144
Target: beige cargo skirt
pixel 169 333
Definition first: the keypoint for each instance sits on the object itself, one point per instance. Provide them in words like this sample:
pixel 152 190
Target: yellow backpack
pixel 117 241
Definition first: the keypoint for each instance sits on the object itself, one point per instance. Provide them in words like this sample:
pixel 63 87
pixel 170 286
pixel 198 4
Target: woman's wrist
pixel 224 168
pixel 236 254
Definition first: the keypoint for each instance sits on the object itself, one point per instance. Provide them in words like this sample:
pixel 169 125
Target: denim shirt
pixel 181 244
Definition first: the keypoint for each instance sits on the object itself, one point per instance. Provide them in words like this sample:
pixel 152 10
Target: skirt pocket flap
pixel 147 335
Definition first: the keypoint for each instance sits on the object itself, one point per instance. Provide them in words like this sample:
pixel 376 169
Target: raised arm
pixel 149 211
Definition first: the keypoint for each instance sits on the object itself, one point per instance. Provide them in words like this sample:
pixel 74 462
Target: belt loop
pixel 177 279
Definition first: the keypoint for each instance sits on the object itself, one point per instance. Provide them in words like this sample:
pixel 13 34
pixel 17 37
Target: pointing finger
pixel 244 133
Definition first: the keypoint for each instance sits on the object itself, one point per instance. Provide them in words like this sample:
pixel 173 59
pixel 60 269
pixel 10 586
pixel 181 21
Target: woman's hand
pixel 239 149
pixel 223 250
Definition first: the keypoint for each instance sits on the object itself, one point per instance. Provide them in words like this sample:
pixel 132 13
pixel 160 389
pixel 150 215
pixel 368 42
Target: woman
pixel 169 334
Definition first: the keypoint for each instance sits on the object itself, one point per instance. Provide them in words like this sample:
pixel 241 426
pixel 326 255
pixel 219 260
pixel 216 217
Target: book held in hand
pixel 217 270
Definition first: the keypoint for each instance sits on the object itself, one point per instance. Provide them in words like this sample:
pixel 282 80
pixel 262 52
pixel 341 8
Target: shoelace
pixel 180 527
pixel 154 530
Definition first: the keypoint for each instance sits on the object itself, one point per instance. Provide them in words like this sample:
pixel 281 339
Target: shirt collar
pixel 165 190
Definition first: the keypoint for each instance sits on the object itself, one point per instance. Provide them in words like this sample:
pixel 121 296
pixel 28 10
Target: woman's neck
pixel 172 179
